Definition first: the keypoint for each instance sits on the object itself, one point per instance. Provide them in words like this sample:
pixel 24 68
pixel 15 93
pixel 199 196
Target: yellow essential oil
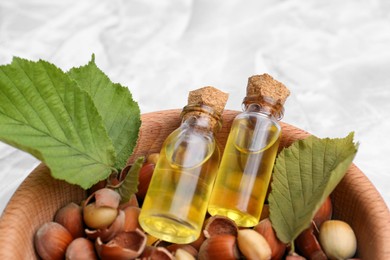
pixel 246 168
pixel 248 159
pixel 176 202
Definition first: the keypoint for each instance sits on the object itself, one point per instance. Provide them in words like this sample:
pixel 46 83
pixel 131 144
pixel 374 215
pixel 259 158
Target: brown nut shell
pixel 308 245
pixel 156 253
pixel 278 248
pixel 222 247
pixel 133 202
pixel 324 212
pixel 198 242
pixel 81 248
pixel 161 253
pixel 144 177
pixel 71 217
pixel 147 252
pixel 131 219
pixel 106 198
pixel 264 212
pixel 51 241
pixel 125 245
pixel 188 248
pixel 295 256
pixel 220 225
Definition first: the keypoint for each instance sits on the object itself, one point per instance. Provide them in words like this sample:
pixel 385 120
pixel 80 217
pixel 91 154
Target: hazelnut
pixel 278 248
pixel 156 253
pixel 183 247
pixel 182 254
pixel 99 217
pixel 221 247
pixel 81 248
pixel 133 202
pixel 295 256
pixel 161 253
pixel 70 216
pixel 106 198
pixel 107 233
pixel 198 242
pixel 253 245
pixel 218 225
pixel 323 213
pixel 51 241
pixel 100 209
pixel 144 177
pixel 308 245
pixel 131 219
pixel 338 239
pixel 264 212
pixel 125 245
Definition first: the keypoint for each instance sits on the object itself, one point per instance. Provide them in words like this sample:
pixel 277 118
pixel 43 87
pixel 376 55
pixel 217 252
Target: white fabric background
pixel 333 55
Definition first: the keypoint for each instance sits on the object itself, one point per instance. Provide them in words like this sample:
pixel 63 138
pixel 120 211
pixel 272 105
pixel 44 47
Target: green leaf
pixel 120 113
pixel 304 176
pixel 43 112
pixel 129 185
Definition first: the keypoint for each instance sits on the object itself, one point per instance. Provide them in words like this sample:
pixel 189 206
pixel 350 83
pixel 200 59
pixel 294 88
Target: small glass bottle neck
pixel 266 106
pixel 201 117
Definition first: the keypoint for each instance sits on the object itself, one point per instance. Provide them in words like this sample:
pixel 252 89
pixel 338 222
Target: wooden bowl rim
pixel 362 188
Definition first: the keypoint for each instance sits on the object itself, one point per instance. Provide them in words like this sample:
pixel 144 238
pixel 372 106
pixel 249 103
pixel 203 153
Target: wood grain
pixel 355 199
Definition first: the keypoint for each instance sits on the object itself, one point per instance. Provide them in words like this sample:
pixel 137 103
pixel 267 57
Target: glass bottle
pixel 247 162
pixel 176 201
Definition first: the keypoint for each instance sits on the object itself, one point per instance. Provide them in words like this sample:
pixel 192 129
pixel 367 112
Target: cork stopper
pixel 206 100
pixel 209 96
pixel 264 86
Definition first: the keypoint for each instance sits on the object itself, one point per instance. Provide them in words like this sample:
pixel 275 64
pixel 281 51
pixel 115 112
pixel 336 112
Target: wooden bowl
pixel 355 199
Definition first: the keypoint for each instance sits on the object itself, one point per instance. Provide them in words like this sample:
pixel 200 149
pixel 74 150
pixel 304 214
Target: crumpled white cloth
pixel 333 55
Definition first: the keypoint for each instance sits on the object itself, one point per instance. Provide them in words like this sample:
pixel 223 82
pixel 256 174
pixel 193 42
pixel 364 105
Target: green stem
pixel 292 248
